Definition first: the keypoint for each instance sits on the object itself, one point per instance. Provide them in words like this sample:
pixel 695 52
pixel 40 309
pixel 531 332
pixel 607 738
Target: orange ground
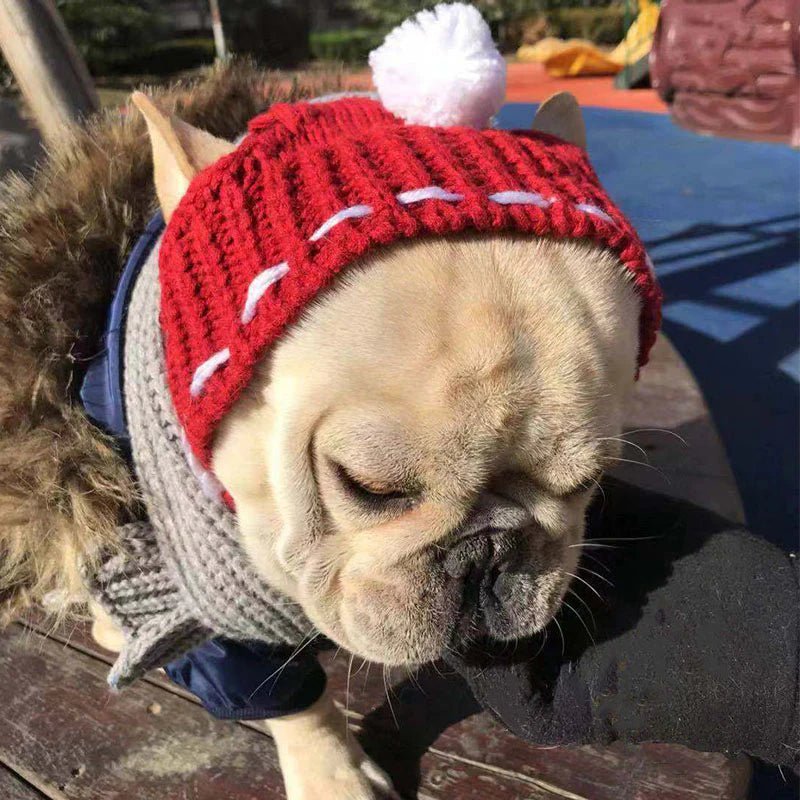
pixel 529 83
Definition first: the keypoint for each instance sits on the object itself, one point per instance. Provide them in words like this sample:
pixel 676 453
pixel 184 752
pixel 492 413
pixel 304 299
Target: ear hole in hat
pixel 180 151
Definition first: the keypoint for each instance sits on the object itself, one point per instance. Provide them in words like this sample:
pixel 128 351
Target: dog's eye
pixel 364 492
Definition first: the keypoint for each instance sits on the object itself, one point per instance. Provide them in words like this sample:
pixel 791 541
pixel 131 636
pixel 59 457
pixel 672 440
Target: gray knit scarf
pixel 183 577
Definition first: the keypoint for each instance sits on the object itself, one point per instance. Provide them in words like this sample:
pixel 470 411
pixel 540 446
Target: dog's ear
pixel 561 116
pixel 180 151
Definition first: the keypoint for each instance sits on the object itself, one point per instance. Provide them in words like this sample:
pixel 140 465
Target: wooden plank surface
pixel 436 709
pixel 433 717
pixel 681 452
pixel 62 723
pixel 13 787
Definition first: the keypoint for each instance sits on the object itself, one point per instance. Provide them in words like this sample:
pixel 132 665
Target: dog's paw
pixel 337 775
pixel 320 758
pixel 105 631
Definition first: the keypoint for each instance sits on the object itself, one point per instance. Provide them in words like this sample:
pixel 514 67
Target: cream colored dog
pixel 479 388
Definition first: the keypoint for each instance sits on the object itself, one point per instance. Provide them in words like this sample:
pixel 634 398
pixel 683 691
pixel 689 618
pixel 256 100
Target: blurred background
pixel 122 41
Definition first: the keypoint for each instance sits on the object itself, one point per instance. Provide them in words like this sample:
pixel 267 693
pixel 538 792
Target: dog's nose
pixel 487 546
pixel 472 557
pixel 477 566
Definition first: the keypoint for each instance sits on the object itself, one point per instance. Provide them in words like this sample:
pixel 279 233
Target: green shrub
pixel 110 34
pixel 271 33
pixel 600 25
pixel 348 46
pixel 175 55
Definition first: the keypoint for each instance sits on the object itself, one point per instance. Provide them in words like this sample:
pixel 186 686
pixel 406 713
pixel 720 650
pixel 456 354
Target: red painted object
pixel 731 67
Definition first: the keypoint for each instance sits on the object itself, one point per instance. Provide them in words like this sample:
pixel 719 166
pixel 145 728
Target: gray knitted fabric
pixel 183 577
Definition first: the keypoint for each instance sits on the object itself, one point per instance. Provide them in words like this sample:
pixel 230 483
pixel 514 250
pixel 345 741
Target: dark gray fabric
pixel 695 642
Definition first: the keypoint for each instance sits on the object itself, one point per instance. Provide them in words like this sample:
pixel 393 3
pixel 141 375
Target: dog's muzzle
pixel 490 556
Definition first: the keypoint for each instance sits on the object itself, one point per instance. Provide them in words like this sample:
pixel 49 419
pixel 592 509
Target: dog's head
pixel 414 459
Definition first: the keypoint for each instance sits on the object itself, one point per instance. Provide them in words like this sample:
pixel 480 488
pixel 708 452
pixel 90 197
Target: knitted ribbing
pixel 311 189
pixel 183 576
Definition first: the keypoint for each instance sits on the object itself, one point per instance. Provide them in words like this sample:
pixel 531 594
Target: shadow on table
pixel 421 709
pixel 731 310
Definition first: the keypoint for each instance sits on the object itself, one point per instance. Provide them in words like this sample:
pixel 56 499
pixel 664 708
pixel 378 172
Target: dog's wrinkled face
pixel 415 461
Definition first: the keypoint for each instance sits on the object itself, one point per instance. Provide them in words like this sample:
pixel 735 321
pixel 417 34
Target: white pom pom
pixel 441 67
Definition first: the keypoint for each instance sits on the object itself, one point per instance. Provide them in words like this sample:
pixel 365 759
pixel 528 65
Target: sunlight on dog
pixel 414 459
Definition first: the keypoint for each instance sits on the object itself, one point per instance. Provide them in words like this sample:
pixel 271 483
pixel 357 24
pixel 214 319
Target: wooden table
pixel 64 735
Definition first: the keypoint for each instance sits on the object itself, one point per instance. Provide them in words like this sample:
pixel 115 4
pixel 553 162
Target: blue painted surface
pixel 720 219
pixel 722 324
pixel 778 288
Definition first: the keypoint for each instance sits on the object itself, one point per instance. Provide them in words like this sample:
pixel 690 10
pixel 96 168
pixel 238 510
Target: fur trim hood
pixel 65 235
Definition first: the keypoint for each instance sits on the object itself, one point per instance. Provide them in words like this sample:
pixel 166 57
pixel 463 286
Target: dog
pixel 370 447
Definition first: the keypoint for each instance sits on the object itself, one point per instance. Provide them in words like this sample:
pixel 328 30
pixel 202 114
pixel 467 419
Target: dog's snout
pixel 486 537
pixel 477 564
pixel 472 557
pixel 487 546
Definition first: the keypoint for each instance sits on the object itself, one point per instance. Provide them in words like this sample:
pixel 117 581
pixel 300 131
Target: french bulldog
pixel 417 473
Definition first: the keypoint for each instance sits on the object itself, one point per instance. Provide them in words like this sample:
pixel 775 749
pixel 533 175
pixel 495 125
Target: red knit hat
pixel 311 189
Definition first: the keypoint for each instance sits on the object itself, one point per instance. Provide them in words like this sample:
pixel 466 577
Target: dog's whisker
pixel 563 640
pixel 541 646
pixel 642 464
pixel 347 695
pixel 584 581
pixel 435 665
pixel 283 666
pixel 585 605
pixel 602 491
pixel 599 545
pixel 596 560
pixel 633 461
pixel 659 430
pixel 364 661
pixel 389 699
pixel 624 538
pixel 596 574
pixel 625 441
pixel 412 677
pixel 582 621
pixel 366 674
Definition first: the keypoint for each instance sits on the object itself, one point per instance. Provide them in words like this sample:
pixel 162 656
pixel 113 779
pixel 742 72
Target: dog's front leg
pixel 321 759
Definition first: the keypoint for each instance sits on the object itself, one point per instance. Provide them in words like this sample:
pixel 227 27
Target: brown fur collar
pixel 64 237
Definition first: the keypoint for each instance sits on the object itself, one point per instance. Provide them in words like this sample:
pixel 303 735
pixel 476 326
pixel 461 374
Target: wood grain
pixel 674 447
pixel 437 721
pixel 63 724
pixel 12 787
